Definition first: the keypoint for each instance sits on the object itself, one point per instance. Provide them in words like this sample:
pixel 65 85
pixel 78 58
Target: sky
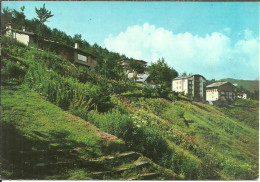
pixel 215 39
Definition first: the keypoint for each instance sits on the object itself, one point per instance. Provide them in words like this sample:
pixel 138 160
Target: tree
pixel 43 15
pixel 161 73
pixel 136 67
pixel 6 16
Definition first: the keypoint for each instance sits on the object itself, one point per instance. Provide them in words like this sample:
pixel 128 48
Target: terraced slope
pixel 41 141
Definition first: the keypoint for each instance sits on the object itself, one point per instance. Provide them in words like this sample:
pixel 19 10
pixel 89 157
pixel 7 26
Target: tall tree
pixel 161 73
pixel 43 15
pixel 136 67
pixel 6 16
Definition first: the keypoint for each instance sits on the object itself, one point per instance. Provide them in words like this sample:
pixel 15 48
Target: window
pixel 82 58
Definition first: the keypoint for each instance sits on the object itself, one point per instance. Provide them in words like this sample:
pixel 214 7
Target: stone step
pixel 145 176
pixel 148 176
pixel 99 175
pixel 137 165
pixel 117 159
pixel 141 164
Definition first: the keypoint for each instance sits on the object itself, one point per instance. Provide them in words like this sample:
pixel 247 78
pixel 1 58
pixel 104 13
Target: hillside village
pixel 193 86
pixel 74 111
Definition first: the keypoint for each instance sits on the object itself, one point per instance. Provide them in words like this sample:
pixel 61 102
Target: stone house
pixel 220 93
pixel 193 86
pixel 70 53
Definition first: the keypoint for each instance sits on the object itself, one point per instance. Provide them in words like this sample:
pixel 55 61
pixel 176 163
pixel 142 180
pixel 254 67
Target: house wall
pixel 21 38
pixel 212 94
pixel 91 62
pixel 185 86
pixel 180 85
pixel 244 96
pixel 227 92
pixel 194 87
pixel 222 94
pixel 202 88
pixel 190 86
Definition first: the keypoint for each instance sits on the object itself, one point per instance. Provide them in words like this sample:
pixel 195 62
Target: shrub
pixel 12 70
pixel 64 91
pixel 115 123
pixel 148 140
pixel 147 91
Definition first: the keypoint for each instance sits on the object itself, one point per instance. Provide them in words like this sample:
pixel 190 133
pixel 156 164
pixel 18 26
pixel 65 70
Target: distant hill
pixel 250 85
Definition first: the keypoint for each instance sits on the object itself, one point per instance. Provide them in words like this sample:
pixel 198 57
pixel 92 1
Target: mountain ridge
pixel 249 85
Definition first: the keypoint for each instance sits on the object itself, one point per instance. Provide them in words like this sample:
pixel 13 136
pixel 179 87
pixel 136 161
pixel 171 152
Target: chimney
pixel 76 45
pixel 23 28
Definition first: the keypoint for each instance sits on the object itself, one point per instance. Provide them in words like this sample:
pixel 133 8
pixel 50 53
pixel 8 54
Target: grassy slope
pixel 225 139
pixel 207 141
pixel 35 124
pixel 37 132
pixel 250 85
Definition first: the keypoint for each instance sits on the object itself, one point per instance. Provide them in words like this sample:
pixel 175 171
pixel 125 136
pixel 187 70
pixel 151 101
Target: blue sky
pixel 214 39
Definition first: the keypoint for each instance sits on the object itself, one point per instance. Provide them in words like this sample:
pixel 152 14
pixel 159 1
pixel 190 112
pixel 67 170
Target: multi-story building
pixel 220 93
pixel 193 86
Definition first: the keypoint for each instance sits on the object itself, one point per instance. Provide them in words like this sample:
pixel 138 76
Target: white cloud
pixel 212 55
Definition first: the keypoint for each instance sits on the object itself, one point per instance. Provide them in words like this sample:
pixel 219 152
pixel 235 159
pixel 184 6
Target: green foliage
pixel 43 14
pixel 11 70
pixel 249 85
pixel 147 91
pixel 115 123
pixel 160 73
pixel 156 106
pixel 189 166
pixel 31 124
pixel 148 140
pixel 136 67
pixel 242 110
pixel 65 91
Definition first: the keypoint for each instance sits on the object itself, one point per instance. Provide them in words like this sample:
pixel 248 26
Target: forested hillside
pixel 249 85
pixel 48 105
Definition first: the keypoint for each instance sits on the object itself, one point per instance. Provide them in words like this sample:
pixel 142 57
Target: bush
pixel 12 70
pixel 181 162
pixel 147 140
pixel 66 91
pixel 147 91
pixel 115 123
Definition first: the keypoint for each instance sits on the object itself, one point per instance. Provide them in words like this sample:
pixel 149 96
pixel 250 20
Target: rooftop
pixel 216 84
pixel 188 76
pixel 46 40
pixel 127 59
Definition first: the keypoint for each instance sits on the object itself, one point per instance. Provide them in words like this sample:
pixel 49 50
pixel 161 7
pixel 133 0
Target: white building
pixel 242 96
pixel 194 86
pixel 220 93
